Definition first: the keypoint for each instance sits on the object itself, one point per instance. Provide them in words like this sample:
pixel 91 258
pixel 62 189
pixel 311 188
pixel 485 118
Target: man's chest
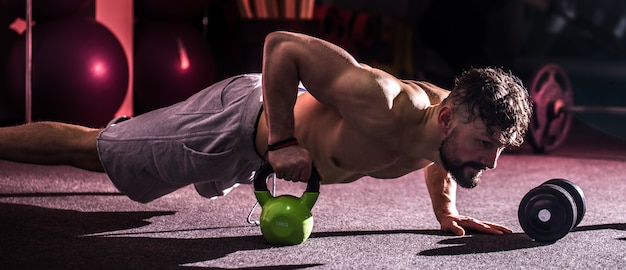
pixel 350 153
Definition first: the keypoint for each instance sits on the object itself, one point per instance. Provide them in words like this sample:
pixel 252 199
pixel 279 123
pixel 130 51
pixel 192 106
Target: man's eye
pixel 484 143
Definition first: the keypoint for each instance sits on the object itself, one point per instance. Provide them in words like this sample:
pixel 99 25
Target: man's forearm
pixel 442 190
pixel 280 84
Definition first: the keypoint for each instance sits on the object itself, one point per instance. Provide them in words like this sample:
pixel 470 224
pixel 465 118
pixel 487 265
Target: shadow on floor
pixel 44 238
pixel 481 243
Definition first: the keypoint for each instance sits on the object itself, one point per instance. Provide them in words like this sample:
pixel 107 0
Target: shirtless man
pixel 352 121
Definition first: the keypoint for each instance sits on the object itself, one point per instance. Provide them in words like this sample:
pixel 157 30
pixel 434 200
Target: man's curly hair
pixel 496 97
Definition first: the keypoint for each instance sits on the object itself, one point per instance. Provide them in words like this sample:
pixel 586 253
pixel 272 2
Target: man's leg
pixel 51 143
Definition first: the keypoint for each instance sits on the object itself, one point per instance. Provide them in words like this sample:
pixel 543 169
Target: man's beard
pixel 454 166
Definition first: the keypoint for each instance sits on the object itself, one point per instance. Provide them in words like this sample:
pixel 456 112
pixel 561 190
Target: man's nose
pixel 491 159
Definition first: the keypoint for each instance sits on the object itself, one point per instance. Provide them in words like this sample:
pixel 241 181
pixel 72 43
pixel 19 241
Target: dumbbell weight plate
pixel 547 213
pixel 577 194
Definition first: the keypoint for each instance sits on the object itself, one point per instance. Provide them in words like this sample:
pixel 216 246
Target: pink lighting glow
pixel 184 58
pixel 98 69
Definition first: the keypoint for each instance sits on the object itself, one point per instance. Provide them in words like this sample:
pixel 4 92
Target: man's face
pixel 467 151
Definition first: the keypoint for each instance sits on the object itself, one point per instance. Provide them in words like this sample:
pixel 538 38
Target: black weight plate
pixel 547 213
pixel 577 194
pixel 549 127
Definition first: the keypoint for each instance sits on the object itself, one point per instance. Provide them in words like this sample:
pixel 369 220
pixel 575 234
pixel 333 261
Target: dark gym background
pixel 431 40
pixel 436 40
pixel 58 217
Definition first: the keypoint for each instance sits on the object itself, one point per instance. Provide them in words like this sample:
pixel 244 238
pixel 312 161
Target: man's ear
pixel 444 119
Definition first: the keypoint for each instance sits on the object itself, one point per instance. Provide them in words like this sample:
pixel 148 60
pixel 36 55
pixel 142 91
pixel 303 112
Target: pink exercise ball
pixel 172 61
pixel 7 109
pixel 45 9
pixel 7 38
pixel 80 72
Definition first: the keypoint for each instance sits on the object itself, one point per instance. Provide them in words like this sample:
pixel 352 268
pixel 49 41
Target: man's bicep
pixel 292 58
pixel 327 71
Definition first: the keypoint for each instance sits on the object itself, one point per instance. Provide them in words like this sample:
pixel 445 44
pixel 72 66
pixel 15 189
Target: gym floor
pixel 58 217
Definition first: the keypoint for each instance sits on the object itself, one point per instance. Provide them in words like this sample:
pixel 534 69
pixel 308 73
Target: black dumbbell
pixel 550 211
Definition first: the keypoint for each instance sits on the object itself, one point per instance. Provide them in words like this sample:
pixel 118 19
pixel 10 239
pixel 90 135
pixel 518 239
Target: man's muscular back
pixel 377 131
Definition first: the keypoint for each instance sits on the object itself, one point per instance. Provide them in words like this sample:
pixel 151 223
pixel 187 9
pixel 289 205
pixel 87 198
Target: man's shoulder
pixel 435 93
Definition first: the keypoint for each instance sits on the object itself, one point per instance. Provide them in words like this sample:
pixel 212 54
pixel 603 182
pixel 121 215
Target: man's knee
pixel 87 157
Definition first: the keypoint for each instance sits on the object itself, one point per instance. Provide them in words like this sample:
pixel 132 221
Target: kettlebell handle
pixel 260 177
pixel 285 219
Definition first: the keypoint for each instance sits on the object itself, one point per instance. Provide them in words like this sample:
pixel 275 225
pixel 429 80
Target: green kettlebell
pixel 285 219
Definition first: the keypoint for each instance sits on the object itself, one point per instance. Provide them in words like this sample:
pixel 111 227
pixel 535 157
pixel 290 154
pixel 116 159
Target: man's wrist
pixel 282 144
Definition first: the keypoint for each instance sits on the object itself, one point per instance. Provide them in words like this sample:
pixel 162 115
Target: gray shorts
pixel 206 140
